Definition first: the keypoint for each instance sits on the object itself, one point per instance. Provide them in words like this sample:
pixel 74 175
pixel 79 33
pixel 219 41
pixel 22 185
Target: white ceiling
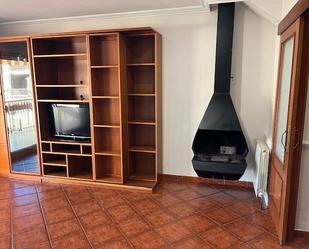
pixel 20 10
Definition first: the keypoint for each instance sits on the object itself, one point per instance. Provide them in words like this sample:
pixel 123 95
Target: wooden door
pixel 285 135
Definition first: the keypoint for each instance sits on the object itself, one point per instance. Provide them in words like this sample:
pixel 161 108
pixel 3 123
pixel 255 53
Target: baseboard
pixel 210 181
pixel 301 234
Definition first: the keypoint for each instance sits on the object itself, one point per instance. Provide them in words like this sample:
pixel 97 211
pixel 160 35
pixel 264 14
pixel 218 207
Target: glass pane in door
pixel 18 106
pixel 284 91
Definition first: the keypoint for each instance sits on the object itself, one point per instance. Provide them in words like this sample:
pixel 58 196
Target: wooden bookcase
pixel 118 74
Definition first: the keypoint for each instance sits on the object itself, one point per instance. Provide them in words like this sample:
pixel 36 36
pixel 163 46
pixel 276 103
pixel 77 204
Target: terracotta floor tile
pixel 93 219
pixel 242 246
pixel 56 193
pixel 147 240
pixel 5 241
pixel 121 212
pixel 54 203
pixel 244 230
pixel 21 224
pixel 174 186
pixel 187 194
pixel 72 241
pixel 79 196
pixel 182 210
pixel 266 241
pixel 5 214
pixel 26 210
pixel 222 215
pixel 63 228
pixel 135 196
pixel 111 201
pixel 253 202
pixel 44 245
pixel 29 238
pixel 5 185
pixel 86 207
pixel 219 238
pixel 102 193
pixel 198 223
pixel 146 206
pixel 120 244
pixel 166 199
pixel 203 204
pixel 25 200
pixel 21 184
pixel 5 204
pixel 43 187
pixel 6 194
pixel 159 217
pixel 223 199
pixel 104 233
pixel 174 231
pixel 5 227
pixel 57 215
pixel 239 193
pixel 262 220
pixel 133 226
pixel 192 243
pixel 242 208
pixel 182 213
pixel 204 189
pixel 24 191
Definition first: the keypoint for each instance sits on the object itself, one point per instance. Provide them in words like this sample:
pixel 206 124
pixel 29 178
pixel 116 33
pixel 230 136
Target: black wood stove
pixel 219 146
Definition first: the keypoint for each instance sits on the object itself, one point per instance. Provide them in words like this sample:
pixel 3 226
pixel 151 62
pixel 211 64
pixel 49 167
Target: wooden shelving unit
pixel 106 106
pixel 118 75
pixel 143 94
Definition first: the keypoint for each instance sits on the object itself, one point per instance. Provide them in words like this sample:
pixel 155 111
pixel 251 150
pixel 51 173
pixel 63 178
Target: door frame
pixel 300 123
pixel 300 10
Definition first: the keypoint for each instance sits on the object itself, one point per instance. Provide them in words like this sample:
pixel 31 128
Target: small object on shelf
pixel 81 82
pixel 82 97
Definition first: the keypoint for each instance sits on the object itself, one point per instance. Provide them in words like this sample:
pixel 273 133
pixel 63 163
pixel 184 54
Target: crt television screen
pixel 71 120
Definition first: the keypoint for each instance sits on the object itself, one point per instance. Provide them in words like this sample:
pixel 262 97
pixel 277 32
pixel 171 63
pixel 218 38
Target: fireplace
pixel 219 146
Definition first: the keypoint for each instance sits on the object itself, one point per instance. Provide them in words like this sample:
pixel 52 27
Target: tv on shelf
pixel 70 121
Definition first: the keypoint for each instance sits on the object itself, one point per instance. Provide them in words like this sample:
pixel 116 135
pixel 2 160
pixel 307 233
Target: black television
pixel 70 121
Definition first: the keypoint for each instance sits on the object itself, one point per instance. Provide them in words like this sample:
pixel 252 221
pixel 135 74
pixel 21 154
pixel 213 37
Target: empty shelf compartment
pixel 108 168
pixel 54 159
pixel 59 45
pixel 142 166
pixel 80 167
pixel 51 170
pixel 66 148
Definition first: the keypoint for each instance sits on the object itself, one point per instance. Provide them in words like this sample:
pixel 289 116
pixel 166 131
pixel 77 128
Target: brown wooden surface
pixel 92 63
pixel 297 11
pixel 280 177
pixel 158 110
pixel 4 153
pixel 301 110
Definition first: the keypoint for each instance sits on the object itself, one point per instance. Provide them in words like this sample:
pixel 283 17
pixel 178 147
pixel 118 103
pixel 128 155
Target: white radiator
pixel 262 162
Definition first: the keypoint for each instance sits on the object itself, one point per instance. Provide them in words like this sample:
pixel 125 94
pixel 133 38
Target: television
pixel 70 121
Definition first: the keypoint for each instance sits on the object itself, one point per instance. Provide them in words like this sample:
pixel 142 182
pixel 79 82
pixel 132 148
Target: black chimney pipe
pixel 225 29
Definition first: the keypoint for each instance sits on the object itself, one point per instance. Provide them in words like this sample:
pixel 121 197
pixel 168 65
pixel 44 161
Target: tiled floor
pixel 176 216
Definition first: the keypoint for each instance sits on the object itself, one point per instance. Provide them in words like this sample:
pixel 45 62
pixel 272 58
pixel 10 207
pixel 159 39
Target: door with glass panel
pixel 18 106
pixel 285 135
